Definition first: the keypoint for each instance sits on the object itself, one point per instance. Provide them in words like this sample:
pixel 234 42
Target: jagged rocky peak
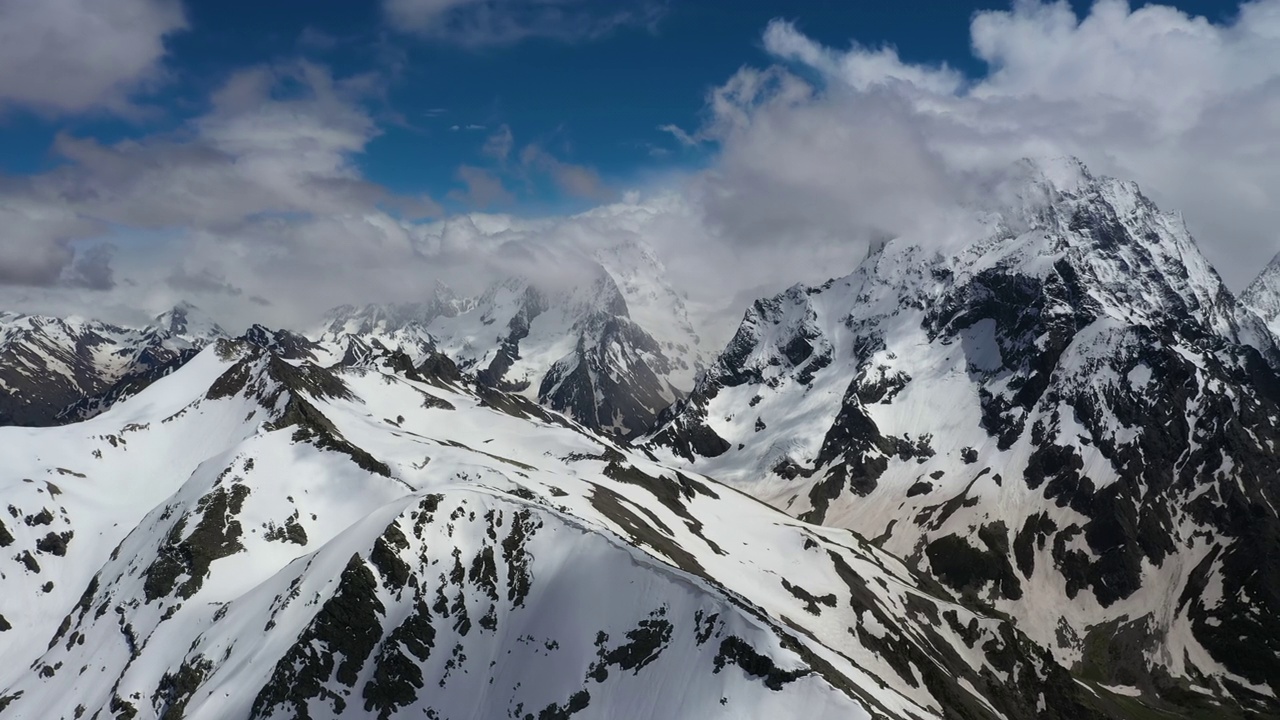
pixel 655 305
pixel 285 343
pixel 188 321
pixel 57 370
pixel 1262 296
pixel 49 363
pixel 1132 257
pixel 1066 419
pixel 572 344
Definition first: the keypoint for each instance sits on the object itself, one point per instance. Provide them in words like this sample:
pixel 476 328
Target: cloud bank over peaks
pixel 1183 106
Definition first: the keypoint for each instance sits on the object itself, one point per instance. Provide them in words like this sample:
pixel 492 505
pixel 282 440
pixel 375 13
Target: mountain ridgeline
pixel 1034 476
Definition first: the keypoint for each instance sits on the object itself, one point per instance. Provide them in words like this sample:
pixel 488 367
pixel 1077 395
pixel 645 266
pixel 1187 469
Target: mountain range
pixel 1031 476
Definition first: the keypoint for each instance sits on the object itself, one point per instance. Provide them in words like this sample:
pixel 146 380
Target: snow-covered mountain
pixel 1262 296
pixel 54 369
pixel 612 348
pixel 1069 420
pixel 257 537
pixel 352 333
pixel 1034 476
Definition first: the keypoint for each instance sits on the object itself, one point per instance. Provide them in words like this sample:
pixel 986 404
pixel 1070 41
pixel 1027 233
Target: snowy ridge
pixel 256 537
pixel 1068 420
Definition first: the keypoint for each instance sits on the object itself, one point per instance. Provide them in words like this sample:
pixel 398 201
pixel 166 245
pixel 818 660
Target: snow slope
pixel 252 536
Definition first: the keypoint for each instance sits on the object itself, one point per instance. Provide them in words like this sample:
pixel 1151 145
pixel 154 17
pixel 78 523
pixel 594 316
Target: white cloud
pixel 1189 109
pixel 477 23
pixel 861 68
pixel 261 196
pixel 68 56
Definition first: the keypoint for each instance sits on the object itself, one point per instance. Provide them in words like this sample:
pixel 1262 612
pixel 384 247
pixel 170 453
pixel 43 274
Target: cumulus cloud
pixel 260 197
pixel 1184 106
pixel 479 23
pixel 252 153
pixel 68 56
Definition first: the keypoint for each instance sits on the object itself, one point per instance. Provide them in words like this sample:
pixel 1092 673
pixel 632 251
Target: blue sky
pixel 268 160
pixel 596 100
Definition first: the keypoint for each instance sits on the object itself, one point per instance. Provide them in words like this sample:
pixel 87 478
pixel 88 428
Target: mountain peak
pixel 1067 173
pixel 384 318
pixel 187 320
pixel 1262 296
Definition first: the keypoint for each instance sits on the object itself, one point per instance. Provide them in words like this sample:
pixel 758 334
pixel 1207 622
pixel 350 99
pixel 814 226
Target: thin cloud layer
pixel 478 23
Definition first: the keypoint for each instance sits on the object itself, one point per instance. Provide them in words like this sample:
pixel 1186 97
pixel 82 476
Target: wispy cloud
pixel 484 188
pixel 478 23
pixel 578 181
